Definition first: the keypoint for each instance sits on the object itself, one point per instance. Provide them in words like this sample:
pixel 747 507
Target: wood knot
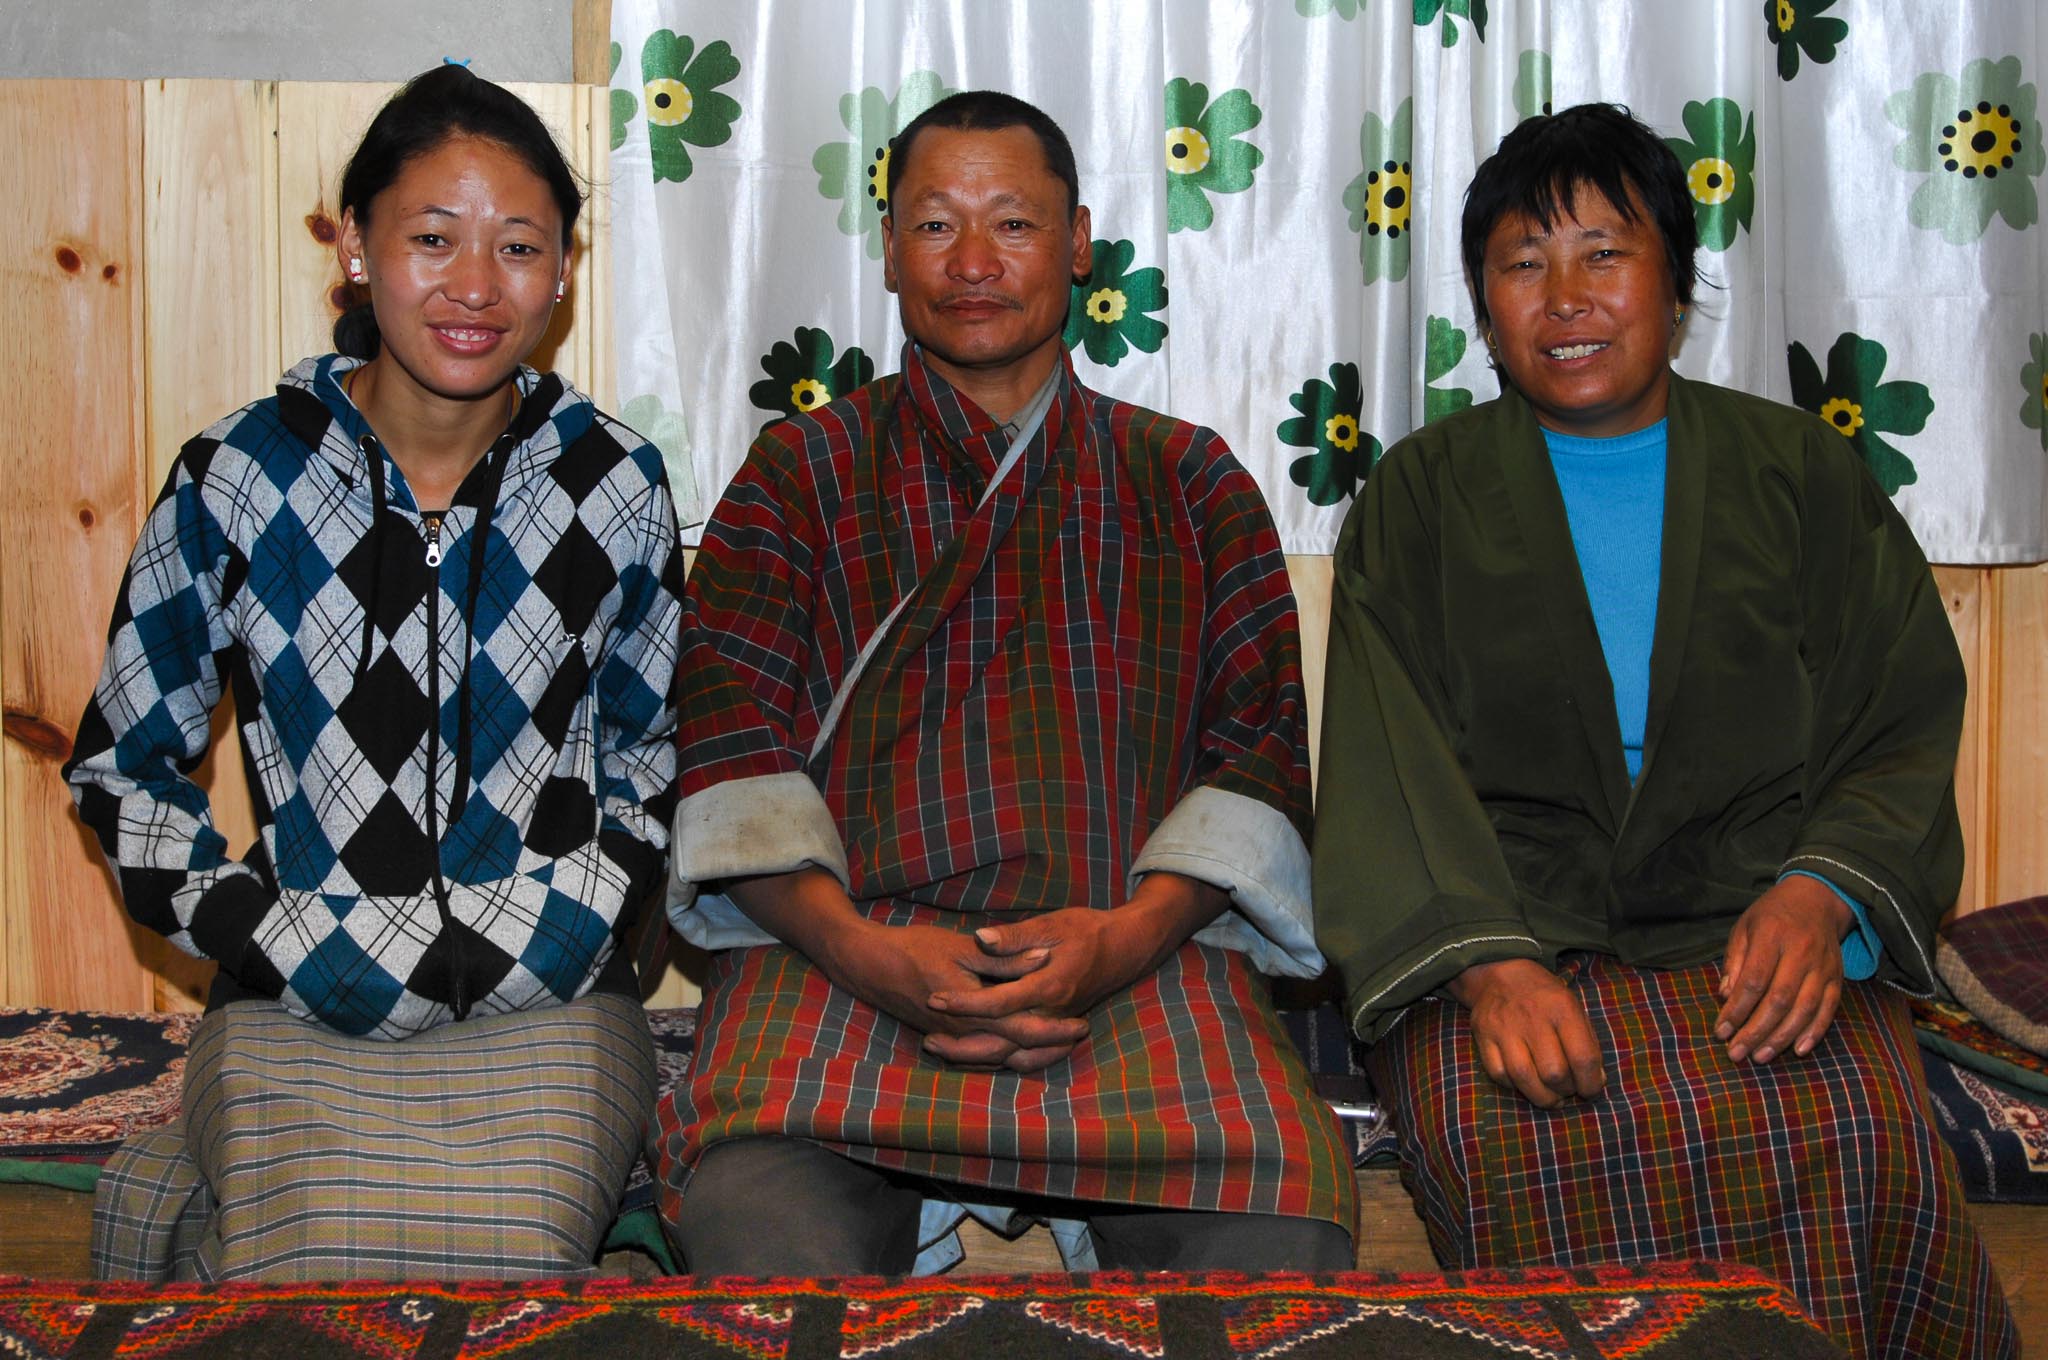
pixel 86 518
pixel 67 260
pixel 109 272
pixel 322 227
pixel 38 735
pixel 340 298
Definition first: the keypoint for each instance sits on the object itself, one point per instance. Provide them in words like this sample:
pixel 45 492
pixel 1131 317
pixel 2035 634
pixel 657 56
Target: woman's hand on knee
pixel 1530 1030
pixel 1782 980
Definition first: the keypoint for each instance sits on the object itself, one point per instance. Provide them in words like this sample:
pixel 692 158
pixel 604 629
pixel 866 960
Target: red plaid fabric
pixel 1822 1171
pixel 1112 630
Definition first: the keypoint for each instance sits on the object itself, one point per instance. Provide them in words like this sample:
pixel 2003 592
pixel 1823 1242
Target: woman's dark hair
pixel 1540 166
pixel 989 111
pixel 446 101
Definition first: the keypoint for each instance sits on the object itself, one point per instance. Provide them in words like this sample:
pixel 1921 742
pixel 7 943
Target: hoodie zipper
pixel 458 975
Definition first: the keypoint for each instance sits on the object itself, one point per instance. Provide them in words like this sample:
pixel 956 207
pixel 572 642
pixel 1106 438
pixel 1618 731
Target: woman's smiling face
pixel 1583 315
pixel 464 252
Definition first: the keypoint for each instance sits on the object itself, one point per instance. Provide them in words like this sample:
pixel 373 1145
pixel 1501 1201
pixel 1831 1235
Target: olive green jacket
pixel 1806 699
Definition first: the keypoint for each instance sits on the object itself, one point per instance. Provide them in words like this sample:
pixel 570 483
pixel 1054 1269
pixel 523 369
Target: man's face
pixel 982 251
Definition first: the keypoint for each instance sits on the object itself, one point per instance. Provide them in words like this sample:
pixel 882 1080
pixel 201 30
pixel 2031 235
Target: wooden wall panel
pixel 1962 593
pixel 1313 579
pixel 318 125
pixel 72 243
pixel 209 177
pixel 2018 788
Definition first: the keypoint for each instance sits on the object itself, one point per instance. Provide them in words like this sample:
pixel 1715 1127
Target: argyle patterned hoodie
pixel 459 729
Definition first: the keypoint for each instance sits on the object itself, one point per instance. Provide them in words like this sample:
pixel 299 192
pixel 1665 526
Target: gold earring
pixel 1678 316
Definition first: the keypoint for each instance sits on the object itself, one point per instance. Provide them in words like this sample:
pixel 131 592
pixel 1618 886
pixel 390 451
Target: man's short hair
pixel 1544 162
pixel 989 111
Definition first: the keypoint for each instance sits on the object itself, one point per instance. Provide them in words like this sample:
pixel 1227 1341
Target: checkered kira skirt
pixel 1822 1171
pixel 496 1147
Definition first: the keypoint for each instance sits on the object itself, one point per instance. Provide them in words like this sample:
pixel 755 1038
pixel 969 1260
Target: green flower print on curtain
pixel 684 107
pixel 856 171
pixel 1382 198
pixel 1720 169
pixel 1316 9
pixel 1797 26
pixel 1341 453
pixel 668 432
pixel 1532 84
pixel 1979 144
pixel 1204 150
pixel 1426 12
pixel 1443 350
pixel 1108 314
pixel 2034 382
pixel 802 375
pixel 1859 407
pixel 623 104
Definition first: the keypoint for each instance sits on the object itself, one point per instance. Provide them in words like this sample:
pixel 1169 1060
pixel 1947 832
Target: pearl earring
pixel 355 269
pixel 561 287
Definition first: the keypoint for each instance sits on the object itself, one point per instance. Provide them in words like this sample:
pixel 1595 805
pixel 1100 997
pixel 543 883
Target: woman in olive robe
pixel 1637 789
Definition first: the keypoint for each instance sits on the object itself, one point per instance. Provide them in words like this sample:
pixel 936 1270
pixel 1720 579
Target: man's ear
pixel 889 251
pixel 1084 247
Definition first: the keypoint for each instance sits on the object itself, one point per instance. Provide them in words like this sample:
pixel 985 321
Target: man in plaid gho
pixel 994 794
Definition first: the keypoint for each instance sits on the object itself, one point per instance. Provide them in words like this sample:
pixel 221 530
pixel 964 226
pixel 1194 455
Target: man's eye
pixel 522 248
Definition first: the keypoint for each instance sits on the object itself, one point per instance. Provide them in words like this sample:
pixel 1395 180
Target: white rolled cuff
pixel 765 824
pixel 1250 850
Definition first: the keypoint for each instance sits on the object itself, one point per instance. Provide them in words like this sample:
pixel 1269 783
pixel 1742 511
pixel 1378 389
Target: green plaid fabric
pixel 488 1148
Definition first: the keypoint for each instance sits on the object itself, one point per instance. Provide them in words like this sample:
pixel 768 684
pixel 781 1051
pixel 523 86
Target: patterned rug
pixel 74 1084
pixel 1655 1313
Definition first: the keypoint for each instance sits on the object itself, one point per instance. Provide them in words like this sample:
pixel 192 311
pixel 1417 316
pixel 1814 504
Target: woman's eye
pixel 430 239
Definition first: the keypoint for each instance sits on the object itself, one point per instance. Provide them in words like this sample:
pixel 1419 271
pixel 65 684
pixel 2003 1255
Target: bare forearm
pixel 807 910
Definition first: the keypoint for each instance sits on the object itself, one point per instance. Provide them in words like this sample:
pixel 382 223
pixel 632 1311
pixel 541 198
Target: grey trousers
pixel 784 1206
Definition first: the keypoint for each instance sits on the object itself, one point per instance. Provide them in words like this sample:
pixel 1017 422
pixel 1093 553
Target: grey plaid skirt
pixel 495 1147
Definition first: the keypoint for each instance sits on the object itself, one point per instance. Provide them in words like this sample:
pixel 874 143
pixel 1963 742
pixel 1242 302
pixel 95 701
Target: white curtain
pixel 1276 189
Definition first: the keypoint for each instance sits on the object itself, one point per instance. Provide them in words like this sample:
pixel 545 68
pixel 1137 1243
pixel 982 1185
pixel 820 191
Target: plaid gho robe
pixel 1098 676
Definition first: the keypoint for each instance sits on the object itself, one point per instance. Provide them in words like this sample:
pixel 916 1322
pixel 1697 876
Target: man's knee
pixel 784 1206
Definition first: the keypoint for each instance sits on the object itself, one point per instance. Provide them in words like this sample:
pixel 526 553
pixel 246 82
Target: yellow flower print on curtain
pixel 1381 200
pixel 1859 407
pixel 1979 144
pixel 1720 169
pixel 683 108
pixel 1205 150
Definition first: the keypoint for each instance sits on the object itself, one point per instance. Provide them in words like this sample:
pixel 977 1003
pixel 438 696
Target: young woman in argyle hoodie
pixel 443 589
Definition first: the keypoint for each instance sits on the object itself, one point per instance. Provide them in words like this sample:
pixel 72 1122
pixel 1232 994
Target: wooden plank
pixel 318 126
pixel 75 455
pixel 2019 830
pixel 591 52
pixel 209 175
pixel 2013 1235
pixel 567 344
pixel 49 1233
pixel 592 297
pixel 1962 594
pixel 1313 579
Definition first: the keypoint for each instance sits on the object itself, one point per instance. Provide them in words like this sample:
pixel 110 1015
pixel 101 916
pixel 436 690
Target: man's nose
pixel 974 258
